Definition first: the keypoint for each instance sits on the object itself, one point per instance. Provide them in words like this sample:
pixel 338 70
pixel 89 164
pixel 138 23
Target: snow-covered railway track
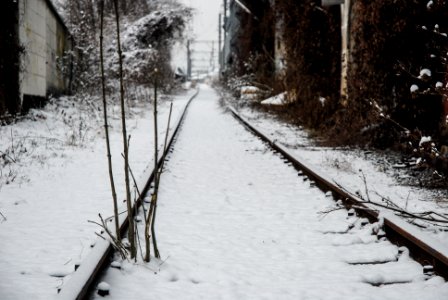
pixel 235 222
pixel 82 281
pixel 430 253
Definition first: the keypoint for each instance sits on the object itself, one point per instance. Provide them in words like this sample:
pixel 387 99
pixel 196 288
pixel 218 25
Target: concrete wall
pixel 232 27
pixel 58 42
pixel 45 39
pixel 32 34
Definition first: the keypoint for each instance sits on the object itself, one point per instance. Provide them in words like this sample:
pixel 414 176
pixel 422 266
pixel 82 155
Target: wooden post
pixel 188 61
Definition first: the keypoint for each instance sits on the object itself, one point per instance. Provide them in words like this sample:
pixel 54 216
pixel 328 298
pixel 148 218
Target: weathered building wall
pixel 45 39
pixel 232 26
pixel 250 44
pixel 58 43
pixel 32 35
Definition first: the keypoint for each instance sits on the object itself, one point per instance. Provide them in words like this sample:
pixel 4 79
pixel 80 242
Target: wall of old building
pixel 32 33
pixel 58 43
pixel 46 40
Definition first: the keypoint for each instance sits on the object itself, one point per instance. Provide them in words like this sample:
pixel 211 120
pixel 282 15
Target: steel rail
pixel 422 248
pixel 81 283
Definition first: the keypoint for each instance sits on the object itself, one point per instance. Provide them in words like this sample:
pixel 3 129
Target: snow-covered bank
pixel 61 182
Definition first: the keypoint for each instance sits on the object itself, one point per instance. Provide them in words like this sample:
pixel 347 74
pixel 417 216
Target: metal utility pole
pixel 212 57
pixel 224 25
pixel 219 44
pixel 188 61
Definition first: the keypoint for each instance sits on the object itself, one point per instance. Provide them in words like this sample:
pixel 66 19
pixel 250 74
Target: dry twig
pixel 403 213
pixel 114 241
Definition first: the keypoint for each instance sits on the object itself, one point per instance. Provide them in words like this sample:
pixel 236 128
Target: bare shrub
pixel 391 44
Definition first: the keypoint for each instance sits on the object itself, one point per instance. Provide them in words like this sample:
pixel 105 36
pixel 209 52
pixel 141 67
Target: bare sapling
pixel 157 184
pixel 131 231
pixel 137 195
pixel 106 125
pixel 147 231
pixel 156 159
pixel 137 191
pixel 151 216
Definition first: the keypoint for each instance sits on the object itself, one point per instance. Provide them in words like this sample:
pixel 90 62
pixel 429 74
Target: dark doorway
pixel 9 57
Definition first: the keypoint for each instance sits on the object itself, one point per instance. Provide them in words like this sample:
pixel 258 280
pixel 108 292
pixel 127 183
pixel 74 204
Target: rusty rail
pixel 422 248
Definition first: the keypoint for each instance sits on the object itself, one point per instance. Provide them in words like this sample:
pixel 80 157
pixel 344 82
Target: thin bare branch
pixel 3 216
pixel 106 125
pixel 393 207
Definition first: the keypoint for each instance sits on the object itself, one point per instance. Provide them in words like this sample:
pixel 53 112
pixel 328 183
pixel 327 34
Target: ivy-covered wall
pixel 312 40
pixel 398 59
pixel 252 39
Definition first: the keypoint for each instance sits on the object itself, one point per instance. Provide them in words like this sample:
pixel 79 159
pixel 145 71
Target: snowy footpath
pixel 237 222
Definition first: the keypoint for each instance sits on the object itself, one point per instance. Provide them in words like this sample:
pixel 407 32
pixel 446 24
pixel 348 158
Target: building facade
pixel 36 59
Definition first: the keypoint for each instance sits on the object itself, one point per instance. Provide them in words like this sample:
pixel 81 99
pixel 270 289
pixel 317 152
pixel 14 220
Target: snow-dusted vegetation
pixel 383 76
pixel 149 29
pixel 53 167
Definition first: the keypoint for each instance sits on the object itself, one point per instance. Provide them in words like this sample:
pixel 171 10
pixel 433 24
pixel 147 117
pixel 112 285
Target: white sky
pixel 205 23
pixel 204 26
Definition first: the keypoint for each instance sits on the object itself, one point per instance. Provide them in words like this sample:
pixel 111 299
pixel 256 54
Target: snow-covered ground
pixel 55 180
pixel 348 167
pixel 233 222
pixel 236 222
